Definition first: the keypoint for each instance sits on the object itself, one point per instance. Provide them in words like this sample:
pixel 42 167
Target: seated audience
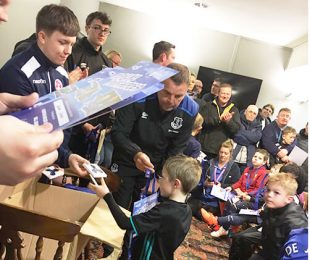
pixel 281 218
pixel 244 243
pixel 248 191
pixel 222 171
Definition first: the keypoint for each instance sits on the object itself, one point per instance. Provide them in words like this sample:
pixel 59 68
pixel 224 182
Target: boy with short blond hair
pixel 163 228
pixel 282 218
pixel 289 135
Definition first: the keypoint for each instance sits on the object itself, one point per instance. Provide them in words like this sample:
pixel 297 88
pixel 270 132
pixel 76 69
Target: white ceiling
pixel 279 22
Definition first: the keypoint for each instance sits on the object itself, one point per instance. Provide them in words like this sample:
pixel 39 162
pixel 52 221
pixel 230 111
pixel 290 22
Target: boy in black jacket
pixel 163 228
pixel 281 216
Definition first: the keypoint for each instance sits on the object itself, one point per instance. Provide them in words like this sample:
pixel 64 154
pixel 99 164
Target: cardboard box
pixel 52 211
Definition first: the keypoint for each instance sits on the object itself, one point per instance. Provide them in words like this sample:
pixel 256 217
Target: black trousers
pixel 244 243
pixel 129 190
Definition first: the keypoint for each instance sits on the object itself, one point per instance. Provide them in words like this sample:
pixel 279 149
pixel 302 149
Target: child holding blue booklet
pixel 163 228
pixel 249 193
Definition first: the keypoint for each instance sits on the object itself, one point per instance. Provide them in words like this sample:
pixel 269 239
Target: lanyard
pixel 279 135
pixel 148 180
pixel 148 176
pixel 248 180
pixel 260 189
pixel 226 109
pixel 218 178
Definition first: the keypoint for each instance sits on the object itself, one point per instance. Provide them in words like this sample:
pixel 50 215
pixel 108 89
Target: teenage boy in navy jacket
pixel 40 68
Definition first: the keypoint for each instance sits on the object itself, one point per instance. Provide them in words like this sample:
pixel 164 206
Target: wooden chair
pixel 14 220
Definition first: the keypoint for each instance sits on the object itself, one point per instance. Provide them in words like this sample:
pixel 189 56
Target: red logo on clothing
pixel 58 84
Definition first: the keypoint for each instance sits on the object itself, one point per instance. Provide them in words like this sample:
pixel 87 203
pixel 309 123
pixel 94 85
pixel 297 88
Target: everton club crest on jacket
pixel 141 126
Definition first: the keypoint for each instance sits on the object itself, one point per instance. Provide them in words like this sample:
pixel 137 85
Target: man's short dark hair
pixel 103 17
pixel 57 18
pixel 182 76
pixel 162 47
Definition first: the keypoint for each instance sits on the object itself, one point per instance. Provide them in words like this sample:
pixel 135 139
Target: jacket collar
pixel 43 60
pixel 87 45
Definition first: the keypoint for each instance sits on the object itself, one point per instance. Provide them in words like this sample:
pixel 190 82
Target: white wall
pixel 82 9
pixel 134 33
pixel 21 24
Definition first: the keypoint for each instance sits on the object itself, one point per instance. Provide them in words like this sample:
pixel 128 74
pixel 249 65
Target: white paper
pixel 53 172
pixel 201 156
pixel 249 212
pixel 219 192
pixel 94 170
pixel 298 155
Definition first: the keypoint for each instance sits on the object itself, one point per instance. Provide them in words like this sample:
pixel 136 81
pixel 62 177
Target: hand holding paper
pixel 298 155
pixel 97 94
pixel 101 190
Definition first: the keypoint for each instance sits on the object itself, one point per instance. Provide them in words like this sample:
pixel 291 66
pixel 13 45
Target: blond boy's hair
pixel 285 180
pixel 289 130
pixel 198 122
pixel 184 168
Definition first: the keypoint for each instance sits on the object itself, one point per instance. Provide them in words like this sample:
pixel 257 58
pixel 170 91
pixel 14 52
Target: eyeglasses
pixel 99 29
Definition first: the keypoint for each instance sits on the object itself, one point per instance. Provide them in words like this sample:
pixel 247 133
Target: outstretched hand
pixel 25 149
pixel 11 103
pixel 143 162
pixel 101 190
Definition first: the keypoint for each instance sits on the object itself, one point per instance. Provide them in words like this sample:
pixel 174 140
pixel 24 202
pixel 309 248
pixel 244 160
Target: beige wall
pixel 21 24
pixel 134 34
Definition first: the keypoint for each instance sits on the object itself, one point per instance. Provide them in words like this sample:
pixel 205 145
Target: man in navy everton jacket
pixel 39 68
pixel 147 132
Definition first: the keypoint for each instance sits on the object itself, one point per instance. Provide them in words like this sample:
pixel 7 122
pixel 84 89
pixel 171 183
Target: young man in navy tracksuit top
pixel 39 68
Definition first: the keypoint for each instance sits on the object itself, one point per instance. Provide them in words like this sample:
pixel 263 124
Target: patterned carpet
pixel 199 245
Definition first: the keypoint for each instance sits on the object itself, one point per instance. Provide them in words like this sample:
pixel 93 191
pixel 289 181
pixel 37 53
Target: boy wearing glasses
pixel 89 49
pixel 163 228
pixel 88 52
